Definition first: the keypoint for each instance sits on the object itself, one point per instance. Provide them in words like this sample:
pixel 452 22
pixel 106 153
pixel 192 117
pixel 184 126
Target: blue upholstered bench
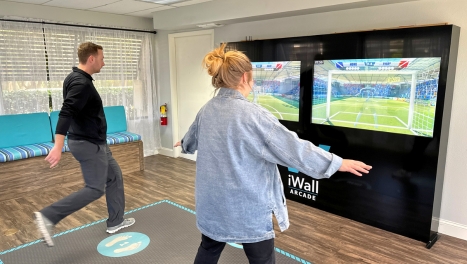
pixel 30 135
pixel 26 139
pixel 24 136
pixel 116 126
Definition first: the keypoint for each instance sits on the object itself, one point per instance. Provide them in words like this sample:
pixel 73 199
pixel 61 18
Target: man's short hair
pixel 87 49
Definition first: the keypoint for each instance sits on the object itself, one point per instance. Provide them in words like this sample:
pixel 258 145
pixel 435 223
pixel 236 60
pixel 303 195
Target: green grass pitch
pixel 377 114
pixel 282 108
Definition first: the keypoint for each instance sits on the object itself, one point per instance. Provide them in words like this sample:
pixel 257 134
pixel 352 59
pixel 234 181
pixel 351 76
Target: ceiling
pixel 189 14
pixel 140 8
pixel 226 12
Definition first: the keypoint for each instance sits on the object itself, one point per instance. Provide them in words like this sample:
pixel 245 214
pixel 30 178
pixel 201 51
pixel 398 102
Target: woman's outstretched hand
pixel 178 144
pixel 354 166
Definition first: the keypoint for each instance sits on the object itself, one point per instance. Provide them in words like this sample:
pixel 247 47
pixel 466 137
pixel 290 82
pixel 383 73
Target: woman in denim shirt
pixel 238 186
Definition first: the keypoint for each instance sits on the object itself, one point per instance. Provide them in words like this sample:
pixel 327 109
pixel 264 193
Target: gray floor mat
pixel 164 232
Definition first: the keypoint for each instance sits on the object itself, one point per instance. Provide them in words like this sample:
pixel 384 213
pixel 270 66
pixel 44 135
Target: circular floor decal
pixel 123 244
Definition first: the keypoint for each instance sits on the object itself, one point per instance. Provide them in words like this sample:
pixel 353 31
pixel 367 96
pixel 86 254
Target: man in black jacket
pixel 82 119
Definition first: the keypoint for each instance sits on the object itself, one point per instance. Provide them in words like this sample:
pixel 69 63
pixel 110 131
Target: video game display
pixel 277 88
pixel 396 95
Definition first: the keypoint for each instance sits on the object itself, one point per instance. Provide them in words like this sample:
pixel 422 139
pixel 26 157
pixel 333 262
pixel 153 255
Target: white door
pixel 192 85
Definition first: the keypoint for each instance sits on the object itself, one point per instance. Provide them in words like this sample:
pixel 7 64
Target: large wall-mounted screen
pixel 396 95
pixel 277 88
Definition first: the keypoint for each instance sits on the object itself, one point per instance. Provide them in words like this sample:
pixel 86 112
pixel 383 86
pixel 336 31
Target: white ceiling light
pixel 210 25
pixel 164 2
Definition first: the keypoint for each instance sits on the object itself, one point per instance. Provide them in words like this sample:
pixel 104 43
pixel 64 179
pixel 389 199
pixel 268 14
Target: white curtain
pixel 35 59
pixel 61 47
pixel 23 69
pixel 127 78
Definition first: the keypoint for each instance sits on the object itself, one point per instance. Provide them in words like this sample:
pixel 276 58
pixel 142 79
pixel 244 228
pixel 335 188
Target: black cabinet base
pixel 432 241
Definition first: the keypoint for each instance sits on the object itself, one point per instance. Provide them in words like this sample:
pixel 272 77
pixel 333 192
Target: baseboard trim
pixel 166 152
pixel 452 228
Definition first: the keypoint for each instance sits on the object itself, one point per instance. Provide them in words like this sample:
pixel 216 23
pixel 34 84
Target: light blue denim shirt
pixel 238 186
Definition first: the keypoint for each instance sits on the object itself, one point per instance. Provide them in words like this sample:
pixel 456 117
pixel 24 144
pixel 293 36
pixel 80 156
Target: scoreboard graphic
pixel 373 64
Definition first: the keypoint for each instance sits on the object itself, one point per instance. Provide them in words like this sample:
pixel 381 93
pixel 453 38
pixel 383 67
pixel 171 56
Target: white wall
pixel 73 16
pixel 163 82
pixel 454 202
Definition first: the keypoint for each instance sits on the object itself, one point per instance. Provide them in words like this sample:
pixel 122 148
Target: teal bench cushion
pixel 122 137
pixel 24 129
pixel 27 151
pixel 114 115
pixel 53 121
pixel 116 119
pixel 116 125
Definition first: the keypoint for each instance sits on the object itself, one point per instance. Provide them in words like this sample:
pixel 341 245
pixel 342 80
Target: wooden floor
pixel 313 235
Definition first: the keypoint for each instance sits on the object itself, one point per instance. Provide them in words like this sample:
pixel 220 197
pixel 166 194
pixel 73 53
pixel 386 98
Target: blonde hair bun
pixel 214 59
pixel 226 68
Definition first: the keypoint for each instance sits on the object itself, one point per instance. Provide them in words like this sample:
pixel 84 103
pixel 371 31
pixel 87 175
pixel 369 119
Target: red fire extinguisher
pixel 163 110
